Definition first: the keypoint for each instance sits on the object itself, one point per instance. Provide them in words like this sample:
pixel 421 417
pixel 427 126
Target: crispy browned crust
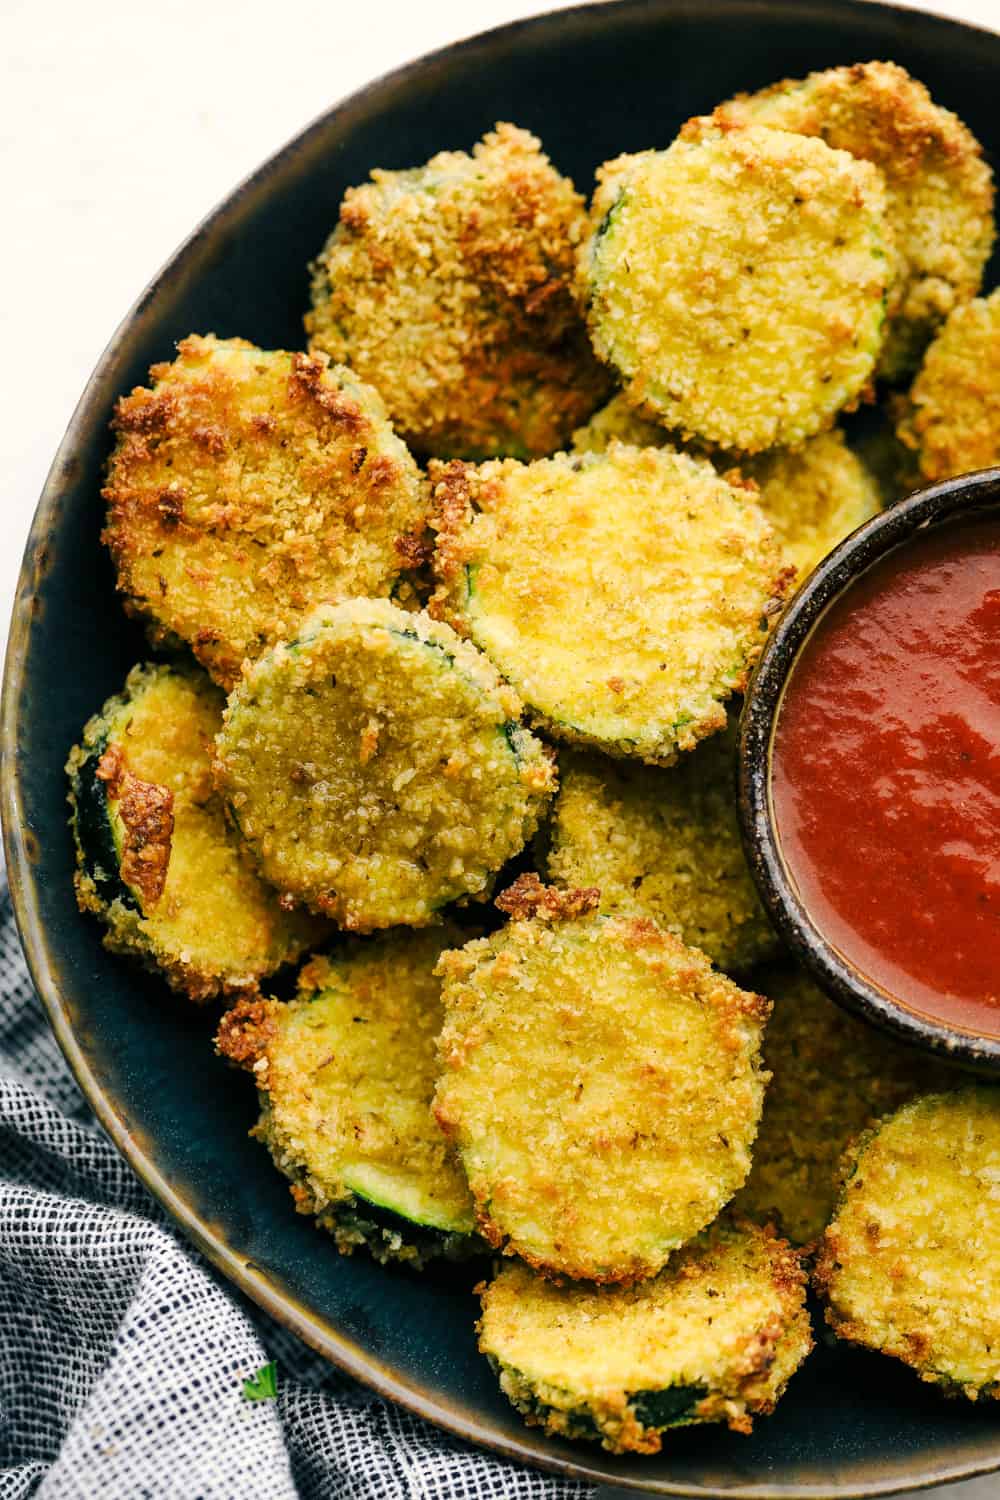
pixel 752 1383
pixel 457 303
pixel 257 515
pixel 147 816
pixel 246 1031
pixel 940 204
pixel 451 508
pixel 470 1026
pixel 528 897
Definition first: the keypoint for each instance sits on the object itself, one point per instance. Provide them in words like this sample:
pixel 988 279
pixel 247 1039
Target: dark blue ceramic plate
pixel 591 82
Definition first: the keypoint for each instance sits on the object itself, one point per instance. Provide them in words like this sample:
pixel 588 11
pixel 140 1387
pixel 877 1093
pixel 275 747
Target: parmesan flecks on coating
pixel 601 1082
pixel 714 1338
pixel 377 769
pixel 625 595
pixel 939 190
pixel 736 282
pixel 248 486
pixel 449 287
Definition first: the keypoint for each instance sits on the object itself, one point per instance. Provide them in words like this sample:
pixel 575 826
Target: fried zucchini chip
pixel 666 842
pixel 951 419
pixel 909 1264
pixel 157 861
pixel 736 282
pixel 619 420
pixel 346 1074
pixel 831 1077
pixel 939 190
pixel 376 766
pixel 601 1082
pixel 248 486
pixel 625 595
pixel 449 287
pixel 715 1337
pixel 813 496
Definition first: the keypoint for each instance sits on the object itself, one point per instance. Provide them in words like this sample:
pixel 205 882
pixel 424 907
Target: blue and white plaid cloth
pixel 123 1353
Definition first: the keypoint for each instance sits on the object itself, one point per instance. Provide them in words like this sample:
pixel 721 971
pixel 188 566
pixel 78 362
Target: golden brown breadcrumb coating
pixel 814 495
pixel 951 419
pixel 157 861
pixel 377 768
pixel 831 1077
pixel 346 1074
pixel 248 486
pixel 909 1264
pixel 715 1337
pixel 736 282
pixel 625 595
pixel 666 842
pixel 449 287
pixel 602 1085
pixel 617 420
pixel 939 190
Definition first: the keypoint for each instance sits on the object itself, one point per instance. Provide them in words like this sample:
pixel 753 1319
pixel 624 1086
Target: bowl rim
pixel 966 496
pixel 18 840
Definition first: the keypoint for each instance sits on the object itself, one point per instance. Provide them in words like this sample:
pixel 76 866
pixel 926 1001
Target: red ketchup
pixel 885 779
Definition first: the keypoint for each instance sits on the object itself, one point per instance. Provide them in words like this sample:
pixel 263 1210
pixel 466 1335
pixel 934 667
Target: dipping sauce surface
pixel 885 774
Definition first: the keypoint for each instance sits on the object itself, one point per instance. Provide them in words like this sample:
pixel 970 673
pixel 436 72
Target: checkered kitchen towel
pixel 122 1353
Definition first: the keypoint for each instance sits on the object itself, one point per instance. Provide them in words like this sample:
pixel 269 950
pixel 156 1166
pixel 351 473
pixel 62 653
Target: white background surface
pixel 121 124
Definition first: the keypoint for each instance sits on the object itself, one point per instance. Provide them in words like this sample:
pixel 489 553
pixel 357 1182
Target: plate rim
pixel 287 1309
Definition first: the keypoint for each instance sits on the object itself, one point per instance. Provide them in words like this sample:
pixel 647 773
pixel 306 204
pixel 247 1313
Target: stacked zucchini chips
pixel 449 616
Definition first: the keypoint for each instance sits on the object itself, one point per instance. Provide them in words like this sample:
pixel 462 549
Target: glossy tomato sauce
pixel 885 779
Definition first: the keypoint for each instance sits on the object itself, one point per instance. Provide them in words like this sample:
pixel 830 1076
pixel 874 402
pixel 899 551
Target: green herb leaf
pixel 263 1386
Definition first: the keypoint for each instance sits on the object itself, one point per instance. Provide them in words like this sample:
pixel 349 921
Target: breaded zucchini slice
pixel 619 420
pixel 909 1264
pixel 601 1082
pixel 736 282
pixel 951 419
pixel 377 768
pixel 939 190
pixel 156 859
pixel 814 496
pixel 346 1073
pixel 831 1077
pixel 625 595
pixel 247 486
pixel 715 1337
pixel 666 842
pixel 449 287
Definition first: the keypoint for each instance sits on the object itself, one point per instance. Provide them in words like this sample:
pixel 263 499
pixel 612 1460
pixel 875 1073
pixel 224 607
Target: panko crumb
pixel 939 201
pixel 449 287
pixel 625 595
pixel 666 842
pixel 832 1077
pixel 813 495
pixel 246 487
pixel 715 1337
pixel 908 1265
pixel 602 1085
pixel 736 282
pixel 377 769
pixel 951 419
pixel 345 1073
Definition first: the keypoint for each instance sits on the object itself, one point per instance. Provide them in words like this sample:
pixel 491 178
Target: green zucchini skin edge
pixel 379 1226
pixel 93 832
pixel 675 1406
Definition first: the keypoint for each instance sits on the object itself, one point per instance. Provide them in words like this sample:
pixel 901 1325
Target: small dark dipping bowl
pixel 968 498
pixel 591 82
